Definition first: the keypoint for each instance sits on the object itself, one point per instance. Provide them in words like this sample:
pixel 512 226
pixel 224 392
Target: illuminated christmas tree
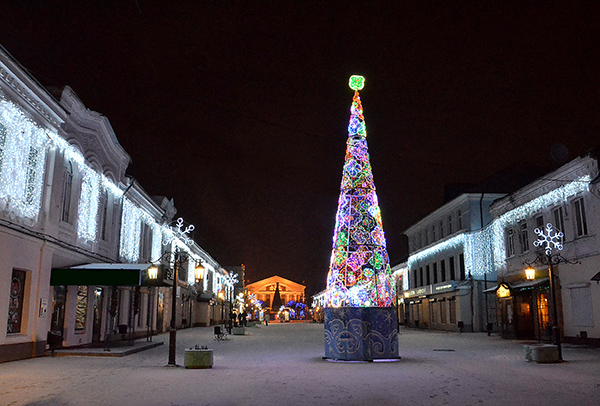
pixel 361 320
pixel 359 272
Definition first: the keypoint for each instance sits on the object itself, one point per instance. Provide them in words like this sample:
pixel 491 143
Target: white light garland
pixel 558 195
pixel 484 250
pixel 129 247
pixel 23 162
pixel 23 150
pixel 402 272
pixel 89 199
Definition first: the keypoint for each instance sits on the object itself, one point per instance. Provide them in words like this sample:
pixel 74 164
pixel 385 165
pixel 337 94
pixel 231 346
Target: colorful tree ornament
pixel 359 271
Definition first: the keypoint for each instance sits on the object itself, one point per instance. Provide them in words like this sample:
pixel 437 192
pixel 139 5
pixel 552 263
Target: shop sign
pixel 422 291
pixel 443 287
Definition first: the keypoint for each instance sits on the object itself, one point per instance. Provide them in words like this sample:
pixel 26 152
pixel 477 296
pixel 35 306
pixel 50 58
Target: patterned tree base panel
pixel 361 333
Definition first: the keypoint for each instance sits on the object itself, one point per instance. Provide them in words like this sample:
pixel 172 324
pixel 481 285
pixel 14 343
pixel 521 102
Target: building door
pixel 160 310
pixel 506 317
pixel 524 327
pixel 98 307
pixel 58 309
pixel 544 326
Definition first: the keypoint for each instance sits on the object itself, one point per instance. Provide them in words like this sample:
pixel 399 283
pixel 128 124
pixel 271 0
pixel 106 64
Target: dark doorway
pixel 524 317
pixel 58 310
pixel 98 306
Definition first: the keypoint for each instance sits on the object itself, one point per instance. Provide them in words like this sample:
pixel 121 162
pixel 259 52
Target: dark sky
pixel 239 110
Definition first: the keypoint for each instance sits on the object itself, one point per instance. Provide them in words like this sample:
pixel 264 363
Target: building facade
pixel 78 237
pixel 466 268
pixel 448 268
pixel 568 199
pixel 265 290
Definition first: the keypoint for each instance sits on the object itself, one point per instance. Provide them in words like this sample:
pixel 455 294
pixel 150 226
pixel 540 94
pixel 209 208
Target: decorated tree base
pixel 361 333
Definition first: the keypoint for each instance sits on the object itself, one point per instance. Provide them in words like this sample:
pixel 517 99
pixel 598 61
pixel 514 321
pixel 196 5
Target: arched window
pixel 67 191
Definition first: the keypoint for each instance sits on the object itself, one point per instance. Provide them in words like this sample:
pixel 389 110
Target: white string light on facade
pixel 484 249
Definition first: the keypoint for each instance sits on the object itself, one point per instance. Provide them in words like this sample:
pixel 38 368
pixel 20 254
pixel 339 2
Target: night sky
pixel 239 110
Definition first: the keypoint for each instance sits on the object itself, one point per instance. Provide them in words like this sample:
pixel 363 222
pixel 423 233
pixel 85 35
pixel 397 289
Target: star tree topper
pixel 356 82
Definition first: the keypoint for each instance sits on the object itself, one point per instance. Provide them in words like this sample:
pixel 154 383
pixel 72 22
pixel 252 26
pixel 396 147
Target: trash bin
pixel 198 358
pixel 54 339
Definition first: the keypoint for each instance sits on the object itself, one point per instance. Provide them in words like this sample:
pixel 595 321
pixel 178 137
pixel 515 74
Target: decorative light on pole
pixel 180 232
pixel 549 239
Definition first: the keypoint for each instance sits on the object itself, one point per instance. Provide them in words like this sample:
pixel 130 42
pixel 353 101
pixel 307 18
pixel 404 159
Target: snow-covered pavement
pixel 282 365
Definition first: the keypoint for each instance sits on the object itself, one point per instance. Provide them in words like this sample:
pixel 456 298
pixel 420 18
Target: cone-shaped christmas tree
pixel 361 322
pixel 359 271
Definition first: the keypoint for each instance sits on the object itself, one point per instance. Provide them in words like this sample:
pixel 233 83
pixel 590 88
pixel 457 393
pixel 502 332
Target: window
pixel 415 281
pixel 539 222
pixel 580 221
pixel 459 219
pixel 443 270
pixel 146 243
pixel 435 273
pixel 426 236
pixel 104 214
pixel 559 221
pixel 442 229
pixel 443 312
pixel 510 242
pixel 428 275
pixel 432 312
pixel 452 269
pixel 67 189
pixel 461 266
pixel 449 223
pixel 523 237
pixel 452 308
pixel 421 276
pixel 543 315
pixel 81 309
pixel 581 307
pixel 433 235
pixel 15 304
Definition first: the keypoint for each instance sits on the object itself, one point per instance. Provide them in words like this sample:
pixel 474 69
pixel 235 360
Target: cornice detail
pixel 23 91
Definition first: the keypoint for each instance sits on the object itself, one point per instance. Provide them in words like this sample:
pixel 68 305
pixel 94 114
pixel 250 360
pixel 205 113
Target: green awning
pixel 99 274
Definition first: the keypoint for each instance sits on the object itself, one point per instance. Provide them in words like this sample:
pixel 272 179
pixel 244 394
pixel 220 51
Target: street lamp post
pixel 173 329
pixel 179 257
pixel 549 239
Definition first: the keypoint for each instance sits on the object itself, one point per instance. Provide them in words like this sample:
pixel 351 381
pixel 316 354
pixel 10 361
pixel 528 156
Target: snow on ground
pixel 282 365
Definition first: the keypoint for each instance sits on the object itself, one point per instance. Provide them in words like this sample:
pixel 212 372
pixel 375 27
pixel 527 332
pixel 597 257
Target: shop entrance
pixel 58 310
pixel 524 328
pixel 97 322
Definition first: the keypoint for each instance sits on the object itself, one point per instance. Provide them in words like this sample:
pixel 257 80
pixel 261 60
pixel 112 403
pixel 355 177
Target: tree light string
pixel 359 271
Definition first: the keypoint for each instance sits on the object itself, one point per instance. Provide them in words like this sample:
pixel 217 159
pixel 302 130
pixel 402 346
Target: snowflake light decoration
pixel 232 279
pixel 180 233
pixel 549 239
